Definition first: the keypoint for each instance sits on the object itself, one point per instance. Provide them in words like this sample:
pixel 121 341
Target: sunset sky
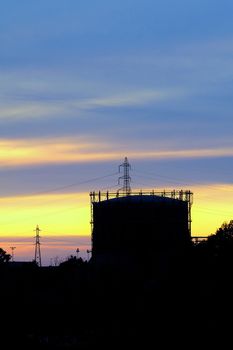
pixel 84 84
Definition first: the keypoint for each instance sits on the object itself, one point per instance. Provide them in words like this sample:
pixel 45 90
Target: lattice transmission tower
pixel 126 189
pixel 12 253
pixel 37 246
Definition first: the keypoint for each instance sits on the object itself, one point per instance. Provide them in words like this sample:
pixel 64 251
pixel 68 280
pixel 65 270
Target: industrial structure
pixel 130 226
pixel 37 246
pixel 12 253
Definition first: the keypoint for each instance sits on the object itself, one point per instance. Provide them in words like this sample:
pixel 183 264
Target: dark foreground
pixel 75 306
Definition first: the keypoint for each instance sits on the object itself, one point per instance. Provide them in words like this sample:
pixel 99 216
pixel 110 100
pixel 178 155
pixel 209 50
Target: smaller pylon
pixel 37 246
pixel 12 253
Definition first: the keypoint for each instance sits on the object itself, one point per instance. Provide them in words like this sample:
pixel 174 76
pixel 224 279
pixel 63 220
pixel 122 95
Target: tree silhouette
pixel 72 261
pixel 216 253
pixel 4 257
pixel 225 231
pixel 222 240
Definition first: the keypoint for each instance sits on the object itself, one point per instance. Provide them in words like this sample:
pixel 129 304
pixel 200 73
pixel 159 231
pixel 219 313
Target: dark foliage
pixel 77 306
pixel 4 257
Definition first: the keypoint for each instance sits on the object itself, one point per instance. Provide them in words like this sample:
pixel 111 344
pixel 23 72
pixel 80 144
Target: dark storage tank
pixel 140 227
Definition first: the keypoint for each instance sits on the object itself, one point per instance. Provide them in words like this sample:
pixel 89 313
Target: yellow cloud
pixel 22 152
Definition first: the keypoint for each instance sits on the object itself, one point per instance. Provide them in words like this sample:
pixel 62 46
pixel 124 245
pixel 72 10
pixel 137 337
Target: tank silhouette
pixel 149 227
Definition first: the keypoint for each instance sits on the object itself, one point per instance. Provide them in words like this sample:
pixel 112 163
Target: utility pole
pixel 77 251
pixel 12 253
pixel 126 178
pixel 37 246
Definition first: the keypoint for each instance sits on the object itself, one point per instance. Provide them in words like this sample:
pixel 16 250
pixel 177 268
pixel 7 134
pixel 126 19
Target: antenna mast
pixel 37 246
pixel 125 178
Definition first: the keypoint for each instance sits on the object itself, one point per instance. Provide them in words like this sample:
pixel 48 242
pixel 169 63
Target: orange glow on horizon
pixel 52 248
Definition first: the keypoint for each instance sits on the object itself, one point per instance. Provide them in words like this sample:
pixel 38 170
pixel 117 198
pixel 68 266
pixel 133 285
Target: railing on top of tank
pixel 182 195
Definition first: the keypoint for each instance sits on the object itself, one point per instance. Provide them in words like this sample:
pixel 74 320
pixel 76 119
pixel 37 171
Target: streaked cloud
pixel 49 109
pixel 30 152
pixel 133 98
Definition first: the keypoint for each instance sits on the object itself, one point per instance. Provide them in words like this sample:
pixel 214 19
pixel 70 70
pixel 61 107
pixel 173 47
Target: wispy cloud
pixel 51 108
pixel 133 98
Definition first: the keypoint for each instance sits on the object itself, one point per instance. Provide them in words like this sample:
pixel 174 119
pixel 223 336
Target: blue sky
pixel 149 79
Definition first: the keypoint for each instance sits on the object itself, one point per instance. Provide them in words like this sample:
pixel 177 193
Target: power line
pixel 200 209
pixel 55 189
pixel 51 213
pixel 152 176
pixel 213 211
pixel 44 215
pixel 80 183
